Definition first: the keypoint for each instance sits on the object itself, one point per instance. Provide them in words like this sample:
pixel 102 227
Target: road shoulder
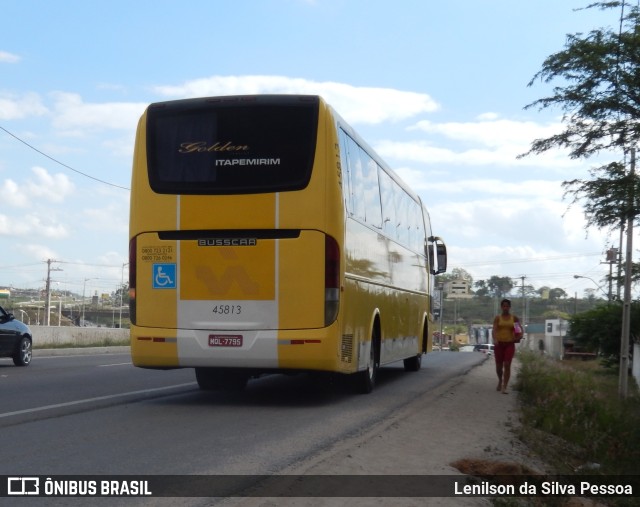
pixel 463 419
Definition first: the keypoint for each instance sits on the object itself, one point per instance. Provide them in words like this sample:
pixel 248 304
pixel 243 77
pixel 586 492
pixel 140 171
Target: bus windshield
pixel 231 147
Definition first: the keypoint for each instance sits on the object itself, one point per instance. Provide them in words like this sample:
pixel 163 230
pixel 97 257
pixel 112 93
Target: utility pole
pixel 612 258
pixel 620 260
pixel 47 304
pixel 626 307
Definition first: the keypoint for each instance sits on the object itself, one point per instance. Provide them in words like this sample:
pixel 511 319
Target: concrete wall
pixel 59 335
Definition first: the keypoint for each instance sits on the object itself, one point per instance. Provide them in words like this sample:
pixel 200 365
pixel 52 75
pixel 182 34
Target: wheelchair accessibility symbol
pixel 164 276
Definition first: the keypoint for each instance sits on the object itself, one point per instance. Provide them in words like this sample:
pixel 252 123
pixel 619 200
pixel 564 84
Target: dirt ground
pixel 465 421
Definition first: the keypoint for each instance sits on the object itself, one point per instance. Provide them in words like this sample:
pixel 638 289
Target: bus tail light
pixel 132 279
pixel 331 280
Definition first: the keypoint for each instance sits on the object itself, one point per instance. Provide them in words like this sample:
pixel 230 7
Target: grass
pixel 573 417
pixel 107 342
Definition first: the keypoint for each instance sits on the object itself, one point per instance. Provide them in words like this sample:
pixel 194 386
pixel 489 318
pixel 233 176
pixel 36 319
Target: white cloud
pixel 74 116
pixel 512 237
pixel 34 224
pixel 122 146
pixel 36 194
pixel 38 252
pixel 539 219
pixel 451 188
pixel 488 141
pixel 425 152
pixel 357 104
pixel 15 107
pixel 42 188
pixel 491 131
pixel 51 187
pixel 43 226
pixel 12 195
pixel 119 271
pixel 113 216
pixel 6 57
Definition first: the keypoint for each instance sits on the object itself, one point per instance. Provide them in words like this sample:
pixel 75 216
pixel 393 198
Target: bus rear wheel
pixel 413 363
pixel 365 380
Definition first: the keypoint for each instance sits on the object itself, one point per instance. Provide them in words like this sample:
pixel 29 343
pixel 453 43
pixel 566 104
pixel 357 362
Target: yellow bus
pixel 266 236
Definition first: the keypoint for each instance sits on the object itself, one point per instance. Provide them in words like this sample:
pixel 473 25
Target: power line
pixel 61 163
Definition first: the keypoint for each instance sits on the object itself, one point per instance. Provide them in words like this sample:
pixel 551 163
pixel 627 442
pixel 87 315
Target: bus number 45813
pixel 227 309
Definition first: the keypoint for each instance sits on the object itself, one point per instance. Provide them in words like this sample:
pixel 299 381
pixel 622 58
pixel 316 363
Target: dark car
pixel 15 339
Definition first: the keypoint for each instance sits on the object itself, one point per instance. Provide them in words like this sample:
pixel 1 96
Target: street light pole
pixel 596 284
pixel 84 285
pixel 27 315
pixel 48 291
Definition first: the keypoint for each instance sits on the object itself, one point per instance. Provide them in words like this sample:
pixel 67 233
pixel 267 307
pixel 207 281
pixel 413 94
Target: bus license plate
pixel 225 340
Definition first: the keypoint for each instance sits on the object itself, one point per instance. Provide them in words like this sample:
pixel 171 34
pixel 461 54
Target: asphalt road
pixel 97 414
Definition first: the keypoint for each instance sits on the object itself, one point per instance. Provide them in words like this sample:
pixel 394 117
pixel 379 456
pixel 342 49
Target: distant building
pixel 534 336
pixel 457 289
pixel 554 337
pixel 480 334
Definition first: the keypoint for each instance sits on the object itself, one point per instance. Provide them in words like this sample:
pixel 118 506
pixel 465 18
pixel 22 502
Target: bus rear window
pixel 231 145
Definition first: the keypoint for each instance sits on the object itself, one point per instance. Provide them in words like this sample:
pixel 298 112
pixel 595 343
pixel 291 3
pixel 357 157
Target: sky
pixel 437 88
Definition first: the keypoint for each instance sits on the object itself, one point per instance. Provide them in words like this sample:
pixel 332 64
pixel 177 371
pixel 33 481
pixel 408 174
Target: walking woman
pixel 505 336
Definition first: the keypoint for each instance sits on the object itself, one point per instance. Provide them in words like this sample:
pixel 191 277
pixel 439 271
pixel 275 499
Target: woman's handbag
pixel 517 332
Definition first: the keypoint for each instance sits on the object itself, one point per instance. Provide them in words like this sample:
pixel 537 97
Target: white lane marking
pixel 89 400
pixel 114 364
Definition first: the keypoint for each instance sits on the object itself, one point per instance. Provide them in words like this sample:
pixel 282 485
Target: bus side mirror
pixel 436 243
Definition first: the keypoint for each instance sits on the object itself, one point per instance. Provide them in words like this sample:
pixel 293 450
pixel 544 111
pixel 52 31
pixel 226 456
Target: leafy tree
pixel 599 95
pixel 599 329
pixel 557 293
pixel 529 291
pixel 607 198
pixel 554 314
pixel 482 289
pixel 590 294
pixel 551 294
pixel 496 286
pixel 543 292
pixel 122 294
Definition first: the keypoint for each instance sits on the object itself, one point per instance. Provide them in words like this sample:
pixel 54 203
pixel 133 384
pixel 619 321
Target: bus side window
pixel 371 191
pixel 346 173
pixel 357 179
pixel 402 211
pixel 363 177
pixel 388 205
pixel 417 235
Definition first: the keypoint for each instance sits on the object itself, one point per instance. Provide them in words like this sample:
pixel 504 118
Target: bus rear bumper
pixel 300 350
